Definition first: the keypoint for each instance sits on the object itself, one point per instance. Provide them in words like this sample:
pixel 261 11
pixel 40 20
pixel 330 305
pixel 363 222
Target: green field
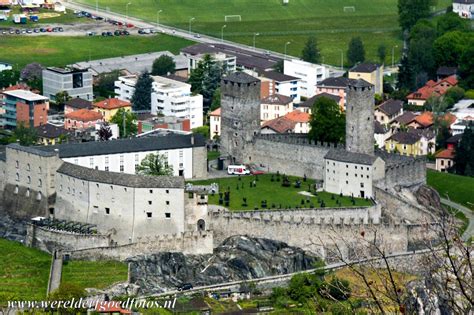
pixel 375 21
pixel 24 272
pixel 274 193
pixel 60 51
pixel 459 189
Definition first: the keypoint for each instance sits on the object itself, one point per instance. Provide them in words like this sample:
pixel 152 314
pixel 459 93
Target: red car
pixel 130 25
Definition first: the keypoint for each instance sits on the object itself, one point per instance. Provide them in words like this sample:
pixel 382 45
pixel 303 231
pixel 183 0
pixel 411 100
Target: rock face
pixel 237 258
pixel 10 229
pixel 428 197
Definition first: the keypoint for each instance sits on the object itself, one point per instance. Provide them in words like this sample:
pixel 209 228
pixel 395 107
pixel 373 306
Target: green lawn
pixel 276 195
pixel 60 51
pixel 94 274
pixel 459 189
pixel 376 21
pixel 213 155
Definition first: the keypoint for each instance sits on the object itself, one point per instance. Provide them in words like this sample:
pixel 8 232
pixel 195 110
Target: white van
pixel 237 170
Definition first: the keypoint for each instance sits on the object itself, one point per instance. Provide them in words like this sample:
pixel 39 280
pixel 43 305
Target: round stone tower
pixel 360 117
pixel 240 114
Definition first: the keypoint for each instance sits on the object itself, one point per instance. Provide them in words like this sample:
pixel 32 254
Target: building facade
pixel 309 73
pixel 77 83
pixel 464 8
pixel 25 108
pixel 215 123
pixel 370 72
pixel 275 106
pixel 109 107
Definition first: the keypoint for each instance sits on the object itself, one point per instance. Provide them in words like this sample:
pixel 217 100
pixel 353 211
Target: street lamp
pixel 97 7
pixel 286 44
pixel 342 58
pixel 222 32
pixel 393 55
pixel 126 12
pixel 190 20
pixel 254 35
pixel 158 17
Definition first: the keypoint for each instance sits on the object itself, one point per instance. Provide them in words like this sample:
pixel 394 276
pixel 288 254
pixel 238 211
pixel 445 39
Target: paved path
pixel 55 273
pixel 467 212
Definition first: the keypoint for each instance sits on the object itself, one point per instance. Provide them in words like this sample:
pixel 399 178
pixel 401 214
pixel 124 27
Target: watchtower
pixel 360 117
pixel 240 114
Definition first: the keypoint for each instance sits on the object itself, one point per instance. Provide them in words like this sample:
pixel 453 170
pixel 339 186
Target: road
pixel 467 212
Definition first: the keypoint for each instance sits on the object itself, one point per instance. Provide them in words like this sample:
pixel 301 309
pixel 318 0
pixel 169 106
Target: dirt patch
pixel 48 15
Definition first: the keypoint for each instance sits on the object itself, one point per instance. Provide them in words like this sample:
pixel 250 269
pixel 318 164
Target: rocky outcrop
pixel 428 197
pixel 14 230
pixel 237 258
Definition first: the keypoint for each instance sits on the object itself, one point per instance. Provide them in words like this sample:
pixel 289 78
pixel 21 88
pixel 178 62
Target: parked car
pixel 104 33
pixel 49 29
pixel 29 31
pixel 197 36
pixel 117 33
pixel 60 29
pixel 129 25
pixel 42 30
pixel 17 32
pixel 36 30
pixel 125 33
pixel 12 31
pixel 184 287
pixel 90 33
pixel 110 34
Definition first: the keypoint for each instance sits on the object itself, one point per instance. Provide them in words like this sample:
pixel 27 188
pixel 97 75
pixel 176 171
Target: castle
pixel 93 185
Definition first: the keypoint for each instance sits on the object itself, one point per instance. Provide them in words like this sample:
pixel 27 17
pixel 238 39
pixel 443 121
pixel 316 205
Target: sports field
pixel 62 50
pixel 333 22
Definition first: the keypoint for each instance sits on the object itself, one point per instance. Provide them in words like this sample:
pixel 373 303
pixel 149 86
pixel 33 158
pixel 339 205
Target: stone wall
pixel 22 203
pixel 49 240
pixel 199 162
pixel 405 174
pixel 288 154
pixel 192 243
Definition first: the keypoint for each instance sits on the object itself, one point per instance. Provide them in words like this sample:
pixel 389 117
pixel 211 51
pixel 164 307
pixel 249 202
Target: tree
pixel 410 11
pixel 443 134
pixel 155 165
pixel 32 71
pixel 279 66
pixel 382 53
pixel 310 51
pixel 422 60
pixel 206 77
pixel 203 130
pixel 453 95
pixel 466 68
pixel 130 123
pixel 24 135
pixel 67 292
pixel 327 121
pixel 451 22
pixel 216 99
pixel 104 133
pixel 8 78
pixel 356 51
pixel 141 99
pixel 464 153
pixel 61 98
pixel 163 65
pixel 406 76
pixel 105 85
pixel 448 48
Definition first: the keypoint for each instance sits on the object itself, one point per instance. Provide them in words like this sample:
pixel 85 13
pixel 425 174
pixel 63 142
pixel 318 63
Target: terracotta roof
pixel 390 107
pixel 277 99
pixel 298 116
pixel 84 115
pixel 425 119
pixel 16 87
pixel 404 137
pixel 405 118
pixel 280 125
pixel 445 154
pixel 216 112
pixel 310 101
pixel 433 88
pixel 112 103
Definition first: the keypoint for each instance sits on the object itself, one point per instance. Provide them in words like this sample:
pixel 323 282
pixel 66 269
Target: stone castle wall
pixel 20 202
pixel 405 173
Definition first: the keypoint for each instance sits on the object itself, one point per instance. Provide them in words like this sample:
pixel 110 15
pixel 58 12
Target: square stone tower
pixel 240 114
pixel 360 117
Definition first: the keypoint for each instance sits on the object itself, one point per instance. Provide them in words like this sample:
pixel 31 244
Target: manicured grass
pixel 60 51
pixel 458 188
pixel 376 21
pixel 24 272
pixel 213 155
pixel 274 193
pixel 94 274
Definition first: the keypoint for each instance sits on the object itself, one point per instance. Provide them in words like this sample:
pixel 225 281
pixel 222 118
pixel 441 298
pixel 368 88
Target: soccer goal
pixel 232 18
pixel 349 9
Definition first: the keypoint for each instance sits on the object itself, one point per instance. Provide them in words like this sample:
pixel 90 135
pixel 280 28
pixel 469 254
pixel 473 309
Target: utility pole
pixel 123 123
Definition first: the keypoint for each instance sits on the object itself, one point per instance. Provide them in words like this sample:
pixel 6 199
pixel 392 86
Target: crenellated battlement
pixel 299 139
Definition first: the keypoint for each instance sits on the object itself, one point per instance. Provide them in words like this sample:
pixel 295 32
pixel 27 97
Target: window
pixel 356 167
pixel 167 191
pixel 347 174
pixel 107 211
pixel 148 215
pixel 149 202
pixel 347 182
pixel 107 168
pixel 151 191
pixel 190 195
pixel 121 168
pixel 28 179
pixel 168 215
pixel 167 202
pixel 39 170
pixel 28 167
pixel 17 164
pixel 17 177
pixel 91 162
pixel 40 183
pixel 361 185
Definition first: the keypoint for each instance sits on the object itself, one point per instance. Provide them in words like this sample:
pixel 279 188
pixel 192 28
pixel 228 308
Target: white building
pixel 275 106
pixel 464 8
pixel 309 73
pixel 228 62
pixel 215 123
pixel 352 174
pixel 283 84
pixel 169 97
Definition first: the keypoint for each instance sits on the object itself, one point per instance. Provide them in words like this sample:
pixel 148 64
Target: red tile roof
pixel 445 154
pixel 280 125
pixel 433 88
pixel 84 115
pixel 216 112
pixel 112 103
pixel 298 116
pixel 425 119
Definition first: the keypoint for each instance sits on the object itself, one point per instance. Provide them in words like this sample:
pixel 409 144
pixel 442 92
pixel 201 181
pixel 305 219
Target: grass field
pixel 375 21
pixel 458 188
pixel 274 193
pixel 24 272
pixel 60 51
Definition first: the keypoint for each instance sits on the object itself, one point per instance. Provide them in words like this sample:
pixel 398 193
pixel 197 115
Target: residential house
pixel 109 107
pixel 76 104
pixel 294 122
pixel 426 120
pixel 309 73
pixel 464 8
pixel 459 126
pixel 403 120
pixel 275 106
pixel 445 157
pixel 386 112
pixel 227 62
pixel 335 86
pixel 427 140
pixel 283 84
pixel 370 72
pixel 307 105
pixel 76 82
pixel 431 88
pixel 82 119
pixel 381 134
pixel 24 107
pixel 404 142
pixel 49 134
pixel 215 123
